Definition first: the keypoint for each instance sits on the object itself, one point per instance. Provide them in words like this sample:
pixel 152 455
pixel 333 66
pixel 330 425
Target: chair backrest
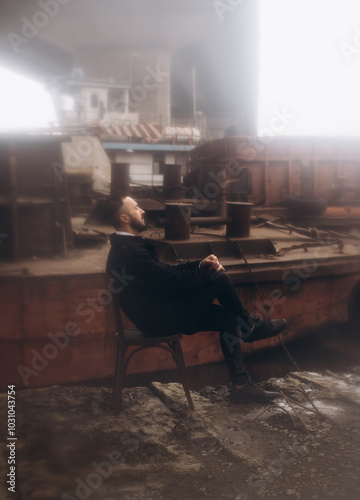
pixel 117 313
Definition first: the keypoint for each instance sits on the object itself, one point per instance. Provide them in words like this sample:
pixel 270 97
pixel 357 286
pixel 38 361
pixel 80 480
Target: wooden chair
pixel 134 337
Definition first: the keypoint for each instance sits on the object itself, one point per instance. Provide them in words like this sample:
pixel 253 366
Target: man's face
pixel 134 214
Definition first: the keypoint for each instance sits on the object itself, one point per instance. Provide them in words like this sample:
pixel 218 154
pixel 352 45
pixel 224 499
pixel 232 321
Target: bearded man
pixel 163 299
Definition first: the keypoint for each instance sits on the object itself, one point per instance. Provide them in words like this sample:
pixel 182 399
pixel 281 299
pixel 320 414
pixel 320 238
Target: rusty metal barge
pixel 57 326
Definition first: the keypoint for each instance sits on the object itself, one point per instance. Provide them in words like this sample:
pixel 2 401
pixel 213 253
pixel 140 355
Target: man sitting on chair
pixel 163 299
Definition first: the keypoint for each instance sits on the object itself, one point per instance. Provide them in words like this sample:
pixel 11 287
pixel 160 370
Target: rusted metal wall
pixel 75 311
pixel 286 166
pixel 34 204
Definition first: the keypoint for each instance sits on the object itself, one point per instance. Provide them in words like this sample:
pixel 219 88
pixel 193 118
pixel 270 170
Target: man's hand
pixel 211 261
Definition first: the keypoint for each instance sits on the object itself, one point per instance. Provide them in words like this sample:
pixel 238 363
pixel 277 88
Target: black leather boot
pixel 264 329
pixel 250 393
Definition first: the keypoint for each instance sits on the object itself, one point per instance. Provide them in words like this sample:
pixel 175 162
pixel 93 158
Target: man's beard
pixel 139 226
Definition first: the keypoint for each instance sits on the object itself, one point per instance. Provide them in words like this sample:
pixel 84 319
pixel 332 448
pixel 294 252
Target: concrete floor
pixel 71 446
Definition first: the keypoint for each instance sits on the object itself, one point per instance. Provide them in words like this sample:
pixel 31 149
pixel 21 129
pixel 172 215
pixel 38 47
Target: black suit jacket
pixel 152 294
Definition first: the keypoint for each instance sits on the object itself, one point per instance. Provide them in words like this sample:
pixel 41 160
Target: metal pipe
pixel 120 178
pixel 193 74
pixel 172 182
pixel 349 211
pixel 209 221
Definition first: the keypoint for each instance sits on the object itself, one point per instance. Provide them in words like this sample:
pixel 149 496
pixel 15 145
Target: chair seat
pixel 136 337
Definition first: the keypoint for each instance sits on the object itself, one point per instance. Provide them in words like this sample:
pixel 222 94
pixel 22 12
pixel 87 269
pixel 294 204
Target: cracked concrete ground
pixel 71 445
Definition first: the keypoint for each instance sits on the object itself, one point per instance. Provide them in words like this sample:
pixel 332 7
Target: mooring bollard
pixel 239 215
pixel 177 221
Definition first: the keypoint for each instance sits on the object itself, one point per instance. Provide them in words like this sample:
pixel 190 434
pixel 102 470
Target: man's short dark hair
pixel 111 209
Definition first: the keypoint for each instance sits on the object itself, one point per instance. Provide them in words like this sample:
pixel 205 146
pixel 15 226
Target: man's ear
pixel 124 218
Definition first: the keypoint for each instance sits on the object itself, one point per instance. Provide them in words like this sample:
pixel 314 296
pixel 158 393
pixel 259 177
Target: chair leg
pixel 120 372
pixel 182 371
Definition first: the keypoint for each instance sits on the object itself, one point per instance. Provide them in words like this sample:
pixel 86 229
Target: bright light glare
pixel 303 68
pixel 23 102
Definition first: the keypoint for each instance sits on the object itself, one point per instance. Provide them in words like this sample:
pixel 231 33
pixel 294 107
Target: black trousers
pixel 230 319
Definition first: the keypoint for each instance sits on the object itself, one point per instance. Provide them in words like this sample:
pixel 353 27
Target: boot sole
pixel 249 400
